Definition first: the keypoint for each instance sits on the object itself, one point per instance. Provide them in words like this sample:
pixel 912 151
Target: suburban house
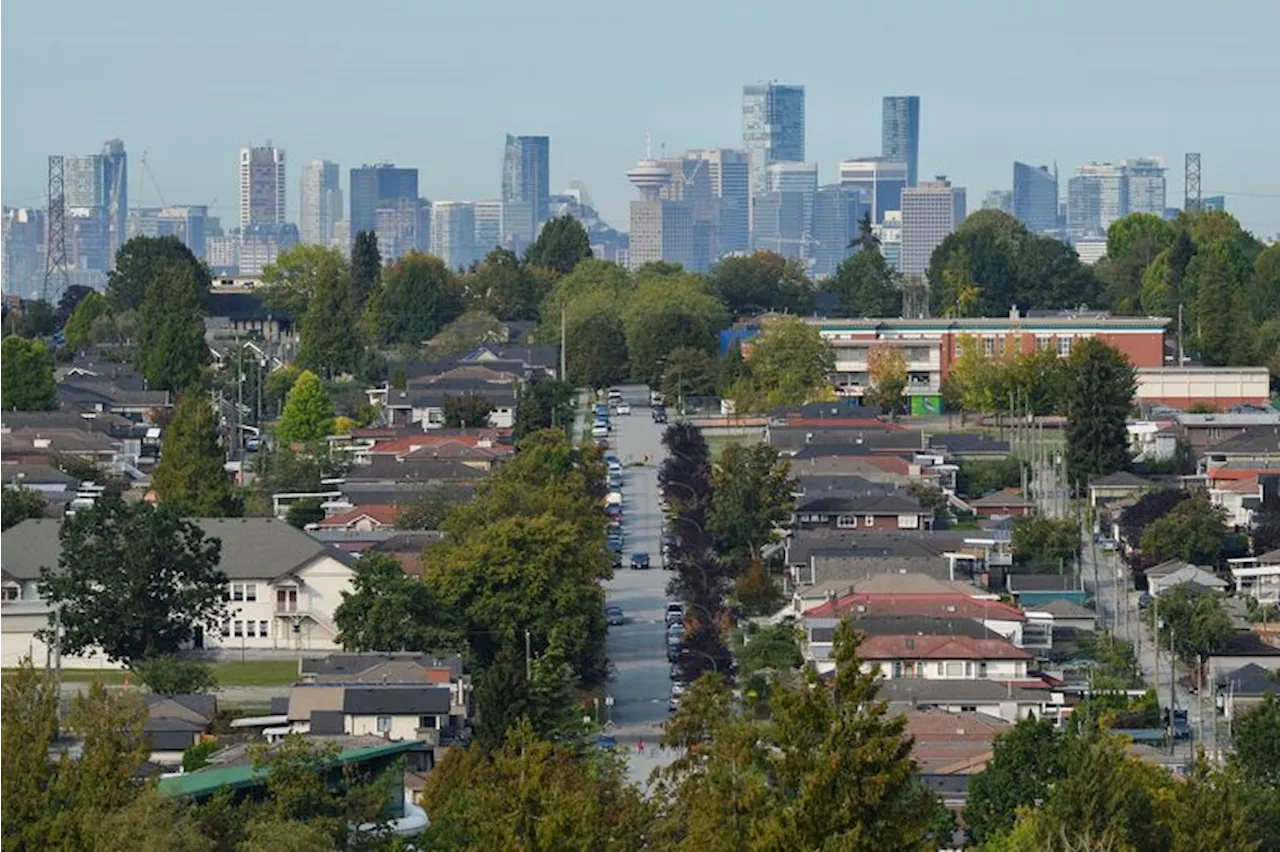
pixel 1066 615
pixel 1243 649
pixel 1000 618
pixel 1258 577
pixel 822 555
pixel 1202 431
pixel 1163 577
pixel 174 723
pixel 361 519
pixel 960 446
pixel 819 633
pixel 988 697
pixel 423 400
pixel 1241 690
pixel 394 711
pixel 944 657
pixel 99 388
pixel 788 440
pixel 1001 504
pixel 1240 498
pixel 1033 591
pixel 57 488
pixel 897 511
pixel 952 743
pixel 1117 486
pixel 283 589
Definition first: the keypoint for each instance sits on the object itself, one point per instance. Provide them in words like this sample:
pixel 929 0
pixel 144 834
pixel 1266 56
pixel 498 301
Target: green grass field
pixel 247 673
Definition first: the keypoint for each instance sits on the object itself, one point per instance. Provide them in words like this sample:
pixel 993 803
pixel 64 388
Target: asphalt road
pixel 642 686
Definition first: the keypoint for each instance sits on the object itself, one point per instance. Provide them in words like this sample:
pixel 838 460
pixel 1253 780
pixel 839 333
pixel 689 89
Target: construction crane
pixel 146 171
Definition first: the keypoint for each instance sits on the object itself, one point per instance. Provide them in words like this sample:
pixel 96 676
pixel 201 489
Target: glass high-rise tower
pixel 1035 197
pixel 526 174
pixel 900 132
pixel 772 128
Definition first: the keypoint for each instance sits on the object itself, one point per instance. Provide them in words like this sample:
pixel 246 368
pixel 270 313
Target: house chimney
pixel 1013 313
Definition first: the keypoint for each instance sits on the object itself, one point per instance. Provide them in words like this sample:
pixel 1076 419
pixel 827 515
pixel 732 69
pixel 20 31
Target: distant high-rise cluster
pixel 526 174
pixel 900 133
pixel 1101 193
pixel 262 187
pixel 772 128
pixel 930 211
pixel 319 202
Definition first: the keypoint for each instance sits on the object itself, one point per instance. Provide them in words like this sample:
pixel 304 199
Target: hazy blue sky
pixel 436 84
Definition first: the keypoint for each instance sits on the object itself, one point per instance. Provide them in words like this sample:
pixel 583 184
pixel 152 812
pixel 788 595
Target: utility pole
pixel 528 657
pixel 564 375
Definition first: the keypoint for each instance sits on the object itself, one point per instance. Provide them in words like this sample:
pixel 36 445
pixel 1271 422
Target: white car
pixel 599 431
pixel 624 408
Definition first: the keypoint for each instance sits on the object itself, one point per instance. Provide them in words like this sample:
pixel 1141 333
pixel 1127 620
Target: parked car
pixel 1145 600
pixel 673 703
pixel 675 612
pixel 677 689
pixel 655 398
pixel 613 498
pixel 623 409
pixel 659 415
pixel 615 394
pixel 599 431
pixel 614 615
pixel 607 742
pixel 615 543
pixel 640 561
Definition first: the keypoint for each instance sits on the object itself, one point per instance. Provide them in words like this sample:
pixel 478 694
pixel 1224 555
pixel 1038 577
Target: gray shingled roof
pixel 872 504
pixel 923 690
pixel 1251 680
pixel 252 548
pixel 396 700
pixel 348 665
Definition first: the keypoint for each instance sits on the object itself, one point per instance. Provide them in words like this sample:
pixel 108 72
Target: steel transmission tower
pixel 1192 202
pixel 55 251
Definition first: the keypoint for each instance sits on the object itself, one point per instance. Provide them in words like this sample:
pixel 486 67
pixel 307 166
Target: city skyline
pixel 969 132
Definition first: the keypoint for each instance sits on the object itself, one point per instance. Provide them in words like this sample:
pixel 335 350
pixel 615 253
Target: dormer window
pixel 11 592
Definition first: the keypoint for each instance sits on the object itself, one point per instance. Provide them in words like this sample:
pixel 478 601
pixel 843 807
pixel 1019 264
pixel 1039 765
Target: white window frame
pixel 251 629
pixel 263 629
pixel 1043 342
pixel 382 724
pixel 908 522
pixel 11 592
pixel 237 628
pixel 988 347
pixel 846 522
pixel 1064 345
pixel 869 520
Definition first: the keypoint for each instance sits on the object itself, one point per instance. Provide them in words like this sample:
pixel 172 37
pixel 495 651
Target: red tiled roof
pixel 890 464
pixel 931 605
pixel 1235 473
pixel 382 515
pixel 939 648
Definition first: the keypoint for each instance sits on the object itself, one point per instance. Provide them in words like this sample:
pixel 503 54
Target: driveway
pixel 637 648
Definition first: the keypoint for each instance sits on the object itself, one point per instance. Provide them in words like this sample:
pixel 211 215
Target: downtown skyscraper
pixel 900 132
pixel 320 202
pixel 379 186
pixel 262 186
pixel 526 174
pixel 772 128
pixel 1035 197
pixel 930 211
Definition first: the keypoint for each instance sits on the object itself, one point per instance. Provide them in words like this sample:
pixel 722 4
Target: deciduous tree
pixel 666 313
pixel 866 286
pixel 332 342
pixel 388 610
pixel 192 473
pixel 419 296
pixel 761 283
pixel 1196 621
pixel 292 280
pixel 887 371
pixel 752 497
pixel 308 412
pixel 561 245
pixel 788 365
pixel 1025 763
pixel 163 566
pixel 467 410
pixel 79 324
pixel 501 285
pixel 1257 741
pixel 1192 531
pixel 141 261
pixel 688 372
pixel 28 375
pixel 1045 542
pixel 19 504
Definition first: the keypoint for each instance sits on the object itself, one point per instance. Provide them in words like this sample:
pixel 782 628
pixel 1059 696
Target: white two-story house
pixel 282 591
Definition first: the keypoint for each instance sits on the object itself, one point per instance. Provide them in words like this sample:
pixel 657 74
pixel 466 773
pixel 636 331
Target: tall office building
pixel 900 132
pixel 502 224
pixel 1146 190
pixel 691 185
pixel 779 225
pixel 879 179
pixel 453 233
pixel 729 174
pixel 380 185
pixel 1097 195
pixel 115 186
pixel 661 229
pixel 772 128
pixel 526 174
pixel 1035 197
pixel 999 199
pixel 402 225
pixel 930 211
pixel 22 268
pixel 262 186
pixel 320 202
pixel 890 235
pixel 836 211
pixel 187 222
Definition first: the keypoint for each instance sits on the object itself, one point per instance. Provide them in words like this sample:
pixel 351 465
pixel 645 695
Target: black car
pixel 639 561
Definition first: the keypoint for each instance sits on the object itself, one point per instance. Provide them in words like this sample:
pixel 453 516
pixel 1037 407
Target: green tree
pixel 752 497
pixel 469 331
pixel 866 286
pixel 776 648
pixel 1223 317
pixel 589 278
pixel 1044 542
pixel 19 504
pixel 789 364
pixel 28 375
pixel 87 311
pixel 388 610
pixel 170 675
pixel 330 333
pixel 1257 742
pixel 143 260
pixel 596 346
pixel 688 372
pixel 293 278
pixel 192 473
pixel 467 410
pixel 532 795
pixel 366 267
pixel 171 345
pixel 977 477
pixel 887 371
pixel 1264 287
pixel 1132 245
pixel 506 288
pixel 308 412
pixel 1192 531
pixel 1197 622
pixel 544 404
pixel 1025 763
pixel 1097 403
pixel 33 319
pixel 302 513
pixel 71 298
pixel 163 566
pixel 666 313
pixel 1211 813
pixel 561 245
pixel 762 282
pixel 29 715
pixel 430 509
pixel 419 296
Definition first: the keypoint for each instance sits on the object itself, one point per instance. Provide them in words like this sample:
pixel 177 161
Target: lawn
pixel 247 673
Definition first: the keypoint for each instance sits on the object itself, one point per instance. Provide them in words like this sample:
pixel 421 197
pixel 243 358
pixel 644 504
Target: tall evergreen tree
pixel 419 296
pixel 83 316
pixel 1098 403
pixel 191 474
pixel 28 375
pixel 331 339
pixel 366 267
pixel 141 261
pixel 171 346
pixel 866 286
